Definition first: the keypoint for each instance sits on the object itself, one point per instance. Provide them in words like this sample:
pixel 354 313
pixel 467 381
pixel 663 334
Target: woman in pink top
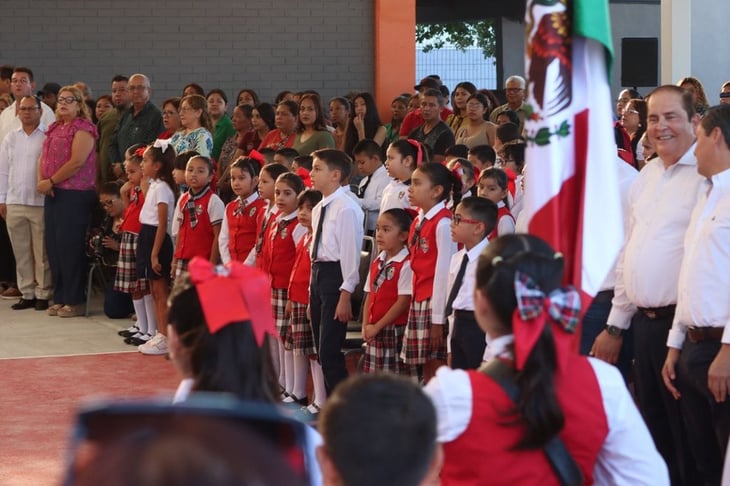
pixel 66 175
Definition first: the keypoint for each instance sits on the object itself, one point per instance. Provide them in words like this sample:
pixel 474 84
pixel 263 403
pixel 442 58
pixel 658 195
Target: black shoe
pixel 23 304
pixel 41 304
pixel 134 341
pixel 126 333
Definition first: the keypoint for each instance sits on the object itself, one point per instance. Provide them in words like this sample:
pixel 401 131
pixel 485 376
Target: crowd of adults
pixel 660 317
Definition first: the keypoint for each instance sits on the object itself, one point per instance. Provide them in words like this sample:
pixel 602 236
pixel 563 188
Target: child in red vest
pixel 389 289
pixel 302 337
pixel 493 186
pixel 489 437
pixel 431 247
pixel 198 216
pixel 278 255
pixel 267 179
pixel 244 214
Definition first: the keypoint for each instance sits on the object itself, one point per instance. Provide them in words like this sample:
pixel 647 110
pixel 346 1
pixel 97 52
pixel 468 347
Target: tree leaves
pixel 461 35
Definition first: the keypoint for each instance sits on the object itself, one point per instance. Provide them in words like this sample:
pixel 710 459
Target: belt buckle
pixel 650 314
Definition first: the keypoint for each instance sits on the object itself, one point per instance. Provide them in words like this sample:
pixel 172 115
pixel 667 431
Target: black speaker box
pixel 639 61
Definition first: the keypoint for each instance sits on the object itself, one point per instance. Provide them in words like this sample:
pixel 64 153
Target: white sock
pixel 301 366
pixel 274 352
pixel 149 307
pixel 320 392
pixel 282 365
pixel 289 373
pixel 141 315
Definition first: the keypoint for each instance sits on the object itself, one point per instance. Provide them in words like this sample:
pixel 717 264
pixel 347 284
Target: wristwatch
pixel 614 331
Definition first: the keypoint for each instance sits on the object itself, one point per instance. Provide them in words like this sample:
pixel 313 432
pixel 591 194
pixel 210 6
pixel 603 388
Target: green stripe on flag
pixel 591 20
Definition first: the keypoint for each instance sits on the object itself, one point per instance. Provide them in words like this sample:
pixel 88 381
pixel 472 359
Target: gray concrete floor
pixel 31 333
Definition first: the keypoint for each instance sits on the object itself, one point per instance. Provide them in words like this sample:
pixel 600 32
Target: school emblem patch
pixel 401 194
pixel 252 211
pixel 284 232
pixel 389 273
pixel 198 209
pixel 423 244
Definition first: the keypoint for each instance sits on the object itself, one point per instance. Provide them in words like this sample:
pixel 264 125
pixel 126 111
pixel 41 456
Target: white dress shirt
pixel 704 279
pixel 660 204
pixel 405 278
pixel 216 213
pixel 628 455
pixel 19 154
pixel 158 193
pixel 225 234
pixel 370 202
pixel 395 195
pixel 9 120
pixel 342 234
pixel 505 224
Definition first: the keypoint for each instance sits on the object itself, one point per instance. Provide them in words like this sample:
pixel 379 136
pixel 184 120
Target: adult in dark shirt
pixel 434 132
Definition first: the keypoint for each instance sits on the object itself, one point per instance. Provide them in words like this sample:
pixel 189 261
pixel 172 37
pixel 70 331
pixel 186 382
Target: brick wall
pixel 326 45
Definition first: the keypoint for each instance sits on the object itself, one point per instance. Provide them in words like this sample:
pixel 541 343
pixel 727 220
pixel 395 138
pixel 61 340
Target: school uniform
pixel 254 256
pixel 302 337
pixel 388 279
pixel 661 201
pixel 505 222
pixel 195 217
pixel 240 227
pixel 466 340
pixel 159 192
pixel 337 225
pixel 701 324
pixel 371 194
pixel 604 432
pixel 395 195
pixel 431 247
pixel 280 247
pixel 125 279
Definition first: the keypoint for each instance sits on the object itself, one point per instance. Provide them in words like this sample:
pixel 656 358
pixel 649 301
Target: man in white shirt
pixel 697 367
pixel 21 205
pixel 21 84
pixel 660 203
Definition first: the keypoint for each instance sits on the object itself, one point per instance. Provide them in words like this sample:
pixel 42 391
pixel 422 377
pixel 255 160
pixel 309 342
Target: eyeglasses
pixel 513 90
pixel 458 219
pixel 66 100
pixel 631 111
pixel 136 88
pixel 107 203
pixel 28 108
pixel 169 113
pixel 474 105
pixel 20 80
pixel 187 109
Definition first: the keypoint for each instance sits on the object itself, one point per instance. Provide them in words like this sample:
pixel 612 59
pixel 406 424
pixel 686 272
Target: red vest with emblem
pixel 423 255
pixel 130 222
pixel 501 212
pixel 196 241
pixel 262 257
pixel 301 273
pixel 281 252
pixel 243 228
pixel 483 453
pixel 384 298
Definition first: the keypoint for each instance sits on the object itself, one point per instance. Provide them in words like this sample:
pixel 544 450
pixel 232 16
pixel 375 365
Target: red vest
pixel 196 241
pixel 483 455
pixel 423 255
pixel 501 212
pixel 262 256
pixel 301 272
pixel 243 228
pixel 384 298
pixel 130 222
pixel 281 252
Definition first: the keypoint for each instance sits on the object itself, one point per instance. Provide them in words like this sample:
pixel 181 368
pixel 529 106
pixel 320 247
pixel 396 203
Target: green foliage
pixel 461 35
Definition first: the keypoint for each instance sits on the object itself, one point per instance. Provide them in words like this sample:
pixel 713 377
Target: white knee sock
pixel 149 307
pixel 301 367
pixel 289 373
pixel 141 315
pixel 320 392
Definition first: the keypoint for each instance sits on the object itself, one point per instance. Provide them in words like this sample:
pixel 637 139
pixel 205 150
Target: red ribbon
pixel 233 293
pixel 140 151
pixel 258 157
pixel 304 174
pixel 419 151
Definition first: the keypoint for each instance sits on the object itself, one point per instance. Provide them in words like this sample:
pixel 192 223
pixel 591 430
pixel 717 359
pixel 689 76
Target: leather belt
pixel 658 312
pixel 464 315
pixel 699 334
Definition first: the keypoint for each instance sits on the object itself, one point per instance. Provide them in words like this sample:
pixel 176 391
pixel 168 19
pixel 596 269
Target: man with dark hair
pixel 434 132
pixel 21 84
pixel 378 429
pixel 141 123
pixel 6 73
pixel 49 93
pixel 413 119
pixel 107 124
pixel 697 367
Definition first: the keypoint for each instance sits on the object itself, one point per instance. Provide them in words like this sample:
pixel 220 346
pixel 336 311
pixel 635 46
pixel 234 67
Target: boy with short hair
pixel 337 225
pixel 379 429
pixel 482 156
pixel 369 161
pixel 474 218
pixel 285 156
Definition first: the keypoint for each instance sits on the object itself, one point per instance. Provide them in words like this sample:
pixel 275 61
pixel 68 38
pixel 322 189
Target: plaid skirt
pixel 181 265
pixel 126 277
pixel 383 353
pixel 302 336
pixel 278 305
pixel 417 336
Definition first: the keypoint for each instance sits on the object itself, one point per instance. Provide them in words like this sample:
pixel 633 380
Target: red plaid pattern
pixel 126 276
pixel 181 265
pixel 278 304
pixel 383 353
pixel 302 337
pixel 417 336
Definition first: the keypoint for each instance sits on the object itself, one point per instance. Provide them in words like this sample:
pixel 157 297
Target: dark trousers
pixel 67 216
pixel 594 322
pixel 329 334
pixel 467 342
pixel 660 410
pixel 7 258
pixel 708 422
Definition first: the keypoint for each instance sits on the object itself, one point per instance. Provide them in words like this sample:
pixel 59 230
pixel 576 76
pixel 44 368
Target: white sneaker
pixel 155 346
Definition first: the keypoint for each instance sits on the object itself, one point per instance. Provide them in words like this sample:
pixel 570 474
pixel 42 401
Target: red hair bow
pixel 233 293
pixel 257 156
pixel 534 308
pixel 140 151
pixel 419 150
pixel 304 174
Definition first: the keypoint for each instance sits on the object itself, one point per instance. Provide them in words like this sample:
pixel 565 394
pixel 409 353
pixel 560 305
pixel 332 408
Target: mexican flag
pixel 572 195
